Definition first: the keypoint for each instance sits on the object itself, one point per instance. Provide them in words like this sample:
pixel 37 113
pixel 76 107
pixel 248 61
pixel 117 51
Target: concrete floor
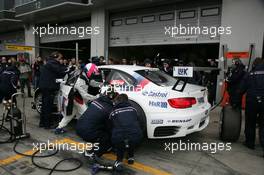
pixel 151 156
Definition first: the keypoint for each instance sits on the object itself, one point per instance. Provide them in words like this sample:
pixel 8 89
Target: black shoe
pixel 249 146
pixel 90 155
pixel 118 166
pixel 130 160
pixel 50 127
pixel 41 125
pixel 30 96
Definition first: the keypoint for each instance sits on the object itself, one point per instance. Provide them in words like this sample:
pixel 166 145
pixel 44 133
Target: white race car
pixel 167 107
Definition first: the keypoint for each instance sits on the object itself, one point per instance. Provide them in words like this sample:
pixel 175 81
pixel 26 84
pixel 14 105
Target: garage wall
pixel 153 33
pixel 246 17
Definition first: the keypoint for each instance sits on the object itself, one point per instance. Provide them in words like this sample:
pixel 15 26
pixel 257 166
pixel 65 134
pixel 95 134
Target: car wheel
pixel 38 102
pixel 230 124
pixel 141 117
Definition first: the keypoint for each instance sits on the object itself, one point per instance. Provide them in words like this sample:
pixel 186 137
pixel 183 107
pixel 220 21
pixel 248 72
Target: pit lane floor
pixel 152 157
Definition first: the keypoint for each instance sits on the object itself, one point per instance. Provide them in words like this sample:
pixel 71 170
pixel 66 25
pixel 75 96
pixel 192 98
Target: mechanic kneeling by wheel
pixel 126 132
pixel 253 86
pixel 93 126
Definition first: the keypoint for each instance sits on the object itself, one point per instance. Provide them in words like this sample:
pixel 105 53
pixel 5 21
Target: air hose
pixel 3 128
pixel 9 140
pixel 220 101
pixel 54 168
pixel 34 155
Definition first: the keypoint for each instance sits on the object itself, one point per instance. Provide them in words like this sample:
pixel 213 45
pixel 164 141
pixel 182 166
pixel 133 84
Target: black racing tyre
pixel 38 102
pixel 141 117
pixel 230 124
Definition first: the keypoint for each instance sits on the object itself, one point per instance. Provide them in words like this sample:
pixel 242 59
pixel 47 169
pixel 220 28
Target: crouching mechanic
pixel 81 96
pixel 93 126
pixel 126 131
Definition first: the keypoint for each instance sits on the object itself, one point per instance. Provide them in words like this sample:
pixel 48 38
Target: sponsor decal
pixel 157 121
pixel 158 104
pixel 155 94
pixel 179 121
pixel 142 82
pixel 182 71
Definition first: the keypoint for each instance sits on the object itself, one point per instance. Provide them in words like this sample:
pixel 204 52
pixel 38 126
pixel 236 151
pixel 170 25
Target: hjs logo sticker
pixel 182 71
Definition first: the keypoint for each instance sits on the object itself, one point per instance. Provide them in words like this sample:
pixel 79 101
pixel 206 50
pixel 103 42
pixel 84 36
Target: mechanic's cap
pixel 111 93
pixel 147 61
pixel 90 69
pixel 55 54
pixel 237 61
pixel 166 61
pixel 95 60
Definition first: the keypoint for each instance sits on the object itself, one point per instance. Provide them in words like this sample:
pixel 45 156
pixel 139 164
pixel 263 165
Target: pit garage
pixel 67 42
pixel 198 53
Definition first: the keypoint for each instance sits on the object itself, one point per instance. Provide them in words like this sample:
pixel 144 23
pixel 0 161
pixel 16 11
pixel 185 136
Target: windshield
pixel 158 77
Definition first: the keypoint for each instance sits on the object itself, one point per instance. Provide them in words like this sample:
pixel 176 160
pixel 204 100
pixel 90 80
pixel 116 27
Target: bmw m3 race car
pixel 167 107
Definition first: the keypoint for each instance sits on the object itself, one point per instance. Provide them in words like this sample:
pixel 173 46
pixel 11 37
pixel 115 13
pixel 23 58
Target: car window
pixel 158 77
pixel 116 77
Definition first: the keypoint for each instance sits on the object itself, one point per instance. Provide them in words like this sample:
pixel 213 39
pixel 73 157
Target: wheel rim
pixel 39 103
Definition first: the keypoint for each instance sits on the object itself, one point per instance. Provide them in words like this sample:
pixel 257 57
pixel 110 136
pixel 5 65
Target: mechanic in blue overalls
pixel 253 86
pixel 93 126
pixel 126 132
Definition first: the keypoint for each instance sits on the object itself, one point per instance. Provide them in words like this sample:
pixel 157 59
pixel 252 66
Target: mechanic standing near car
pixel 167 68
pixel 8 83
pixel 234 78
pixel 93 126
pixel 51 71
pixel 126 132
pixel 81 87
pixel 253 86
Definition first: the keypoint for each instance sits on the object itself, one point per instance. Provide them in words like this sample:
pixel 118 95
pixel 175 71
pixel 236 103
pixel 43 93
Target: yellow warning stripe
pixel 16 157
pixel 136 165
